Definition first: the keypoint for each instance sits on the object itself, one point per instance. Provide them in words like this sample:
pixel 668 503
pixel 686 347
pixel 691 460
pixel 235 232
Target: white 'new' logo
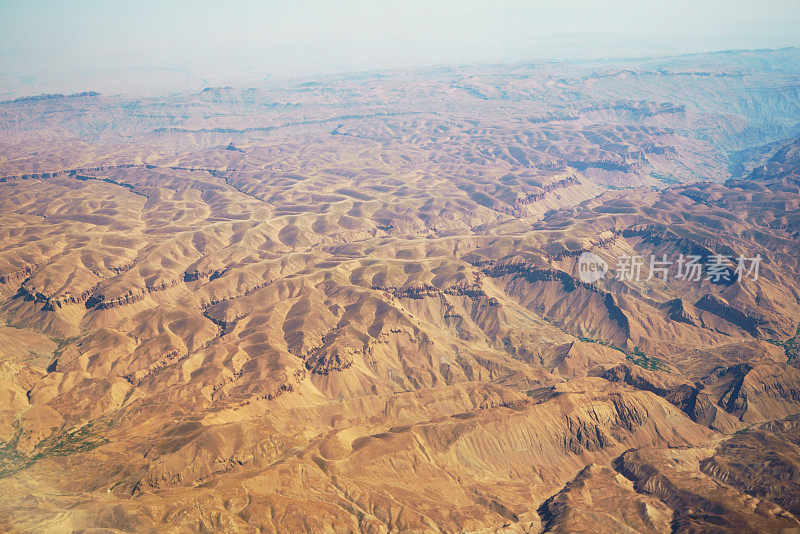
pixel 591 267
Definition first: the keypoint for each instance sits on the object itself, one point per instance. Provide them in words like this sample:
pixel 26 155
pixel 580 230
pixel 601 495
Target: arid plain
pixel 352 303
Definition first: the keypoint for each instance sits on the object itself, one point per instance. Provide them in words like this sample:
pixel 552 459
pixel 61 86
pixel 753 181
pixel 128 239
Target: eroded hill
pixel 355 303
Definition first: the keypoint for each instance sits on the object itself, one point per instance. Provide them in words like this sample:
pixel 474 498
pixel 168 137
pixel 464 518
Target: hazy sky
pixel 142 45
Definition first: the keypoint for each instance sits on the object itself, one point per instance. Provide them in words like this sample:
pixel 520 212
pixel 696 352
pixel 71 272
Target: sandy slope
pixel 355 305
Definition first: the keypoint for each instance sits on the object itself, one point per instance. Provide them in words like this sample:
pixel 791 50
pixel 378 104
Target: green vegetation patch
pixel 636 356
pixel 83 439
pixel 791 347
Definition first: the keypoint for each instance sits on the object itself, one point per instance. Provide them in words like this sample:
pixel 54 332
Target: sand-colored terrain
pixel 354 303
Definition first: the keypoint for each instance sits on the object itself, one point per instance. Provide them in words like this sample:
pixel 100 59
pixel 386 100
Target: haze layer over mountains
pixel 354 302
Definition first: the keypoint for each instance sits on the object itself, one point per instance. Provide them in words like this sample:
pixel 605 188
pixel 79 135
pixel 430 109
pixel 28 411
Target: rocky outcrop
pixel 763 462
pixel 195 275
pixel 530 198
pixel 676 312
pixel 423 291
pixel 721 309
pixel 534 274
pixel 599 499
pixel 554 117
pixel 690 398
pixel 132 297
pixel 700 504
pixel 18 275
pixel 75 173
pixel 756 392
